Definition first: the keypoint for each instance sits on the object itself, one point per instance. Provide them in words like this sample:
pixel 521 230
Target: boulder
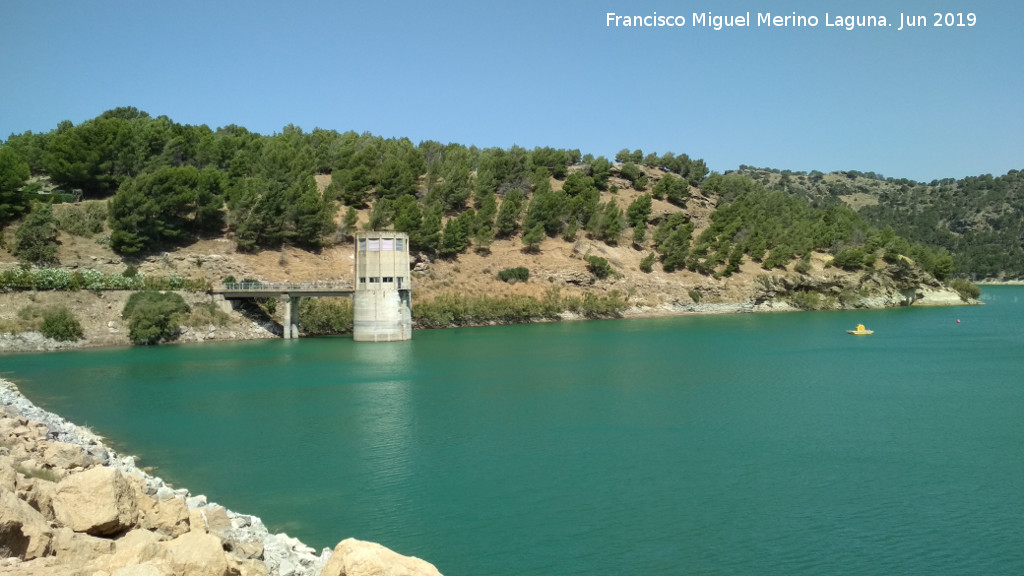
pixel 357 558
pixel 244 549
pixel 288 556
pixel 239 567
pixel 136 547
pixel 66 456
pixel 217 521
pixel 197 521
pixel 39 494
pixel 169 517
pixel 24 532
pixel 196 554
pixel 76 549
pixel 99 502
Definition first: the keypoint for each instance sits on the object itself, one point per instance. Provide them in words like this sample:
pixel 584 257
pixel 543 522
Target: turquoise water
pixel 749 444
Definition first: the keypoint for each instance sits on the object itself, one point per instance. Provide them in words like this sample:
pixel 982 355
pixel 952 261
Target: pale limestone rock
pixel 144 570
pixel 99 501
pixel 288 556
pixel 23 530
pixel 30 465
pixel 239 567
pixel 48 566
pixel 217 521
pixel 39 494
pixel 244 549
pixel 136 547
pixel 8 477
pixel 169 517
pixel 21 449
pixel 357 558
pixel 66 456
pixel 197 521
pixel 76 549
pixel 196 554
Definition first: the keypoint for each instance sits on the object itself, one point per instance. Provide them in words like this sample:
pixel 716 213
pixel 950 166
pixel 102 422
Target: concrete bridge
pixel 288 294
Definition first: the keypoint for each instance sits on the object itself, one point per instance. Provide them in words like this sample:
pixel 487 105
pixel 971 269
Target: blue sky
pixel 923 103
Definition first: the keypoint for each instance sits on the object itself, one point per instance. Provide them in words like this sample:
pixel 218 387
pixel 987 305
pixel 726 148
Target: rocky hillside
pixel 557 266
pixel 979 219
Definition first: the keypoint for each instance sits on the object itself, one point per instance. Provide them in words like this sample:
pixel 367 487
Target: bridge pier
pixel 291 316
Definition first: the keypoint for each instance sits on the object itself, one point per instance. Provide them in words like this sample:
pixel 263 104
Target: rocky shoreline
pixel 71 506
pixel 108 330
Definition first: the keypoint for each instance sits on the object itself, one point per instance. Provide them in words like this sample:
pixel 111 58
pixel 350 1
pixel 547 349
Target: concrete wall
pixel 382 302
pixel 381 316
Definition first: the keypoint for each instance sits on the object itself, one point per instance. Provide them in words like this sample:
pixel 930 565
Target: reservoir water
pixel 747 444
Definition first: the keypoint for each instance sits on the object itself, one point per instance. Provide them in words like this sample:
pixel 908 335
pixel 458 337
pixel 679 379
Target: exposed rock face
pixel 356 558
pixel 69 506
pixel 197 554
pixel 23 531
pixel 901 286
pixel 99 502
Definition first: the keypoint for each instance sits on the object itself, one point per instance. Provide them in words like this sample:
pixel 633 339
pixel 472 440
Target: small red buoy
pixel 957 320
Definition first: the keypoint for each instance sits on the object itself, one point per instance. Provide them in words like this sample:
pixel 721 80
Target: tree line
pixel 167 184
pixel 979 220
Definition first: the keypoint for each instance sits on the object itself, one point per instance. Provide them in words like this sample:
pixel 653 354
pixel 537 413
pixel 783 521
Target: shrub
pixel 60 324
pixel 805 300
pixel 513 275
pixel 461 310
pixel 695 296
pixel 29 318
pixel 850 259
pixel 599 267
pixel 85 219
pixel 594 306
pixel 205 315
pixel 320 316
pixel 965 288
pixel 647 264
pixel 36 237
pixel 154 317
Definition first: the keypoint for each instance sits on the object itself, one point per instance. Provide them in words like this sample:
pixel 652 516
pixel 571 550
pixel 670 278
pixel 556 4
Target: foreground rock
pixel 69 506
pixel 355 558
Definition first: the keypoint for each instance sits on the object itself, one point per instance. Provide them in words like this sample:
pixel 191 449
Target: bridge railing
pixel 284 286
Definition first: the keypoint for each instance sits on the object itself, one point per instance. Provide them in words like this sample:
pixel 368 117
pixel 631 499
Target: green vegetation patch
pixel 323 316
pixel 600 267
pixel 60 324
pixel 513 275
pixel 56 322
pixel 154 317
pixel 25 278
pixel 448 310
pixel 966 289
pixel 86 219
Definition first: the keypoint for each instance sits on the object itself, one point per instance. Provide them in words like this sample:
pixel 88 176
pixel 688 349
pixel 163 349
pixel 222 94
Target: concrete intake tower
pixel 382 301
